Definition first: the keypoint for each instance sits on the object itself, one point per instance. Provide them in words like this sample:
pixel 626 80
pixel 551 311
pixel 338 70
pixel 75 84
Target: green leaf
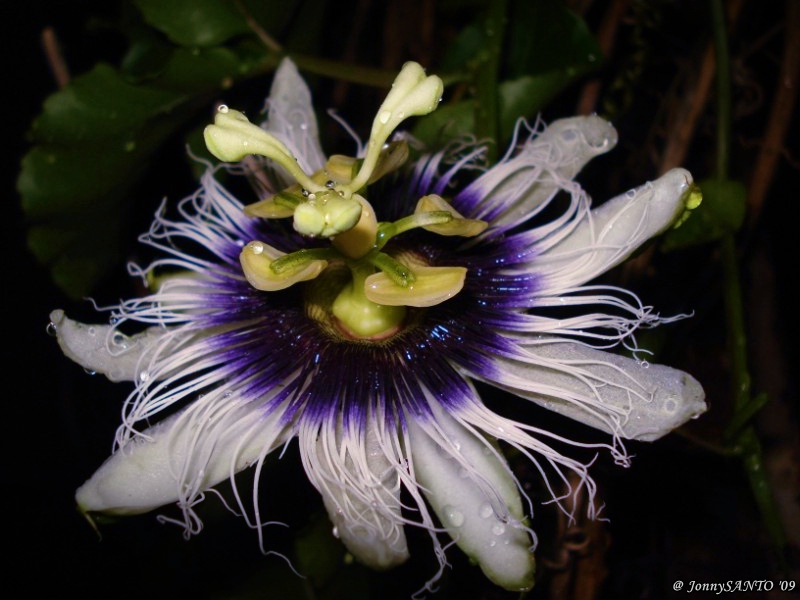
pixel 327 565
pixel 527 96
pixel 464 48
pixel 523 97
pixel 319 554
pixel 548 47
pixel 545 36
pixel 195 22
pixel 722 211
pixel 93 141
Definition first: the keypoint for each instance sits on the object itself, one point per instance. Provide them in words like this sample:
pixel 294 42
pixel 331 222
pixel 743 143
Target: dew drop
pixel 569 135
pixel 485 510
pixel 256 247
pixel 51 329
pixel 335 532
pixel 454 516
pixel 670 405
pixel 499 529
pixel 384 116
pixel 144 376
pixel 90 372
pixel 91 331
pixel 119 340
pixel 223 108
pixel 492 543
pixel 631 194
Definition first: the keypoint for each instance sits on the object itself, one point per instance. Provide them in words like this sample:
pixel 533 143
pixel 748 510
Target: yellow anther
pixel 457 226
pixel 693 197
pixel 257 258
pixel 432 285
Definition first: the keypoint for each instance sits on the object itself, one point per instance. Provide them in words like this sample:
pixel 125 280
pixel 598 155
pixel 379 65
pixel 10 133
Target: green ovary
pixel 360 317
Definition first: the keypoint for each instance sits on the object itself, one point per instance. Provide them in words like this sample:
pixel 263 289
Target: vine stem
pixel 487 113
pixel 746 442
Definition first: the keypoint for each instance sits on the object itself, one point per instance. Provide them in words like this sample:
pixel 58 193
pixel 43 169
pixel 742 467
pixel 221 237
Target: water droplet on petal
pixel 256 247
pixel 569 135
pixel 384 116
pixel 91 331
pixel 485 510
pixel 51 329
pixel 335 532
pixel 454 516
pixel 499 529
pixel 223 108
pixel 90 372
pixel 631 194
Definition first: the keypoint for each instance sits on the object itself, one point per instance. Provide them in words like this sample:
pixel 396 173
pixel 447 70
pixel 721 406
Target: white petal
pixel 103 349
pixel 472 491
pixel 622 396
pixel 358 478
pixel 610 233
pixel 292 119
pixel 181 457
pixel 515 189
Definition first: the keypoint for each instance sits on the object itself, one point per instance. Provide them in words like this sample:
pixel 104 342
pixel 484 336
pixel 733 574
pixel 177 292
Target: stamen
pixel 396 271
pixel 279 206
pixel 456 225
pixel 257 261
pixel 431 286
